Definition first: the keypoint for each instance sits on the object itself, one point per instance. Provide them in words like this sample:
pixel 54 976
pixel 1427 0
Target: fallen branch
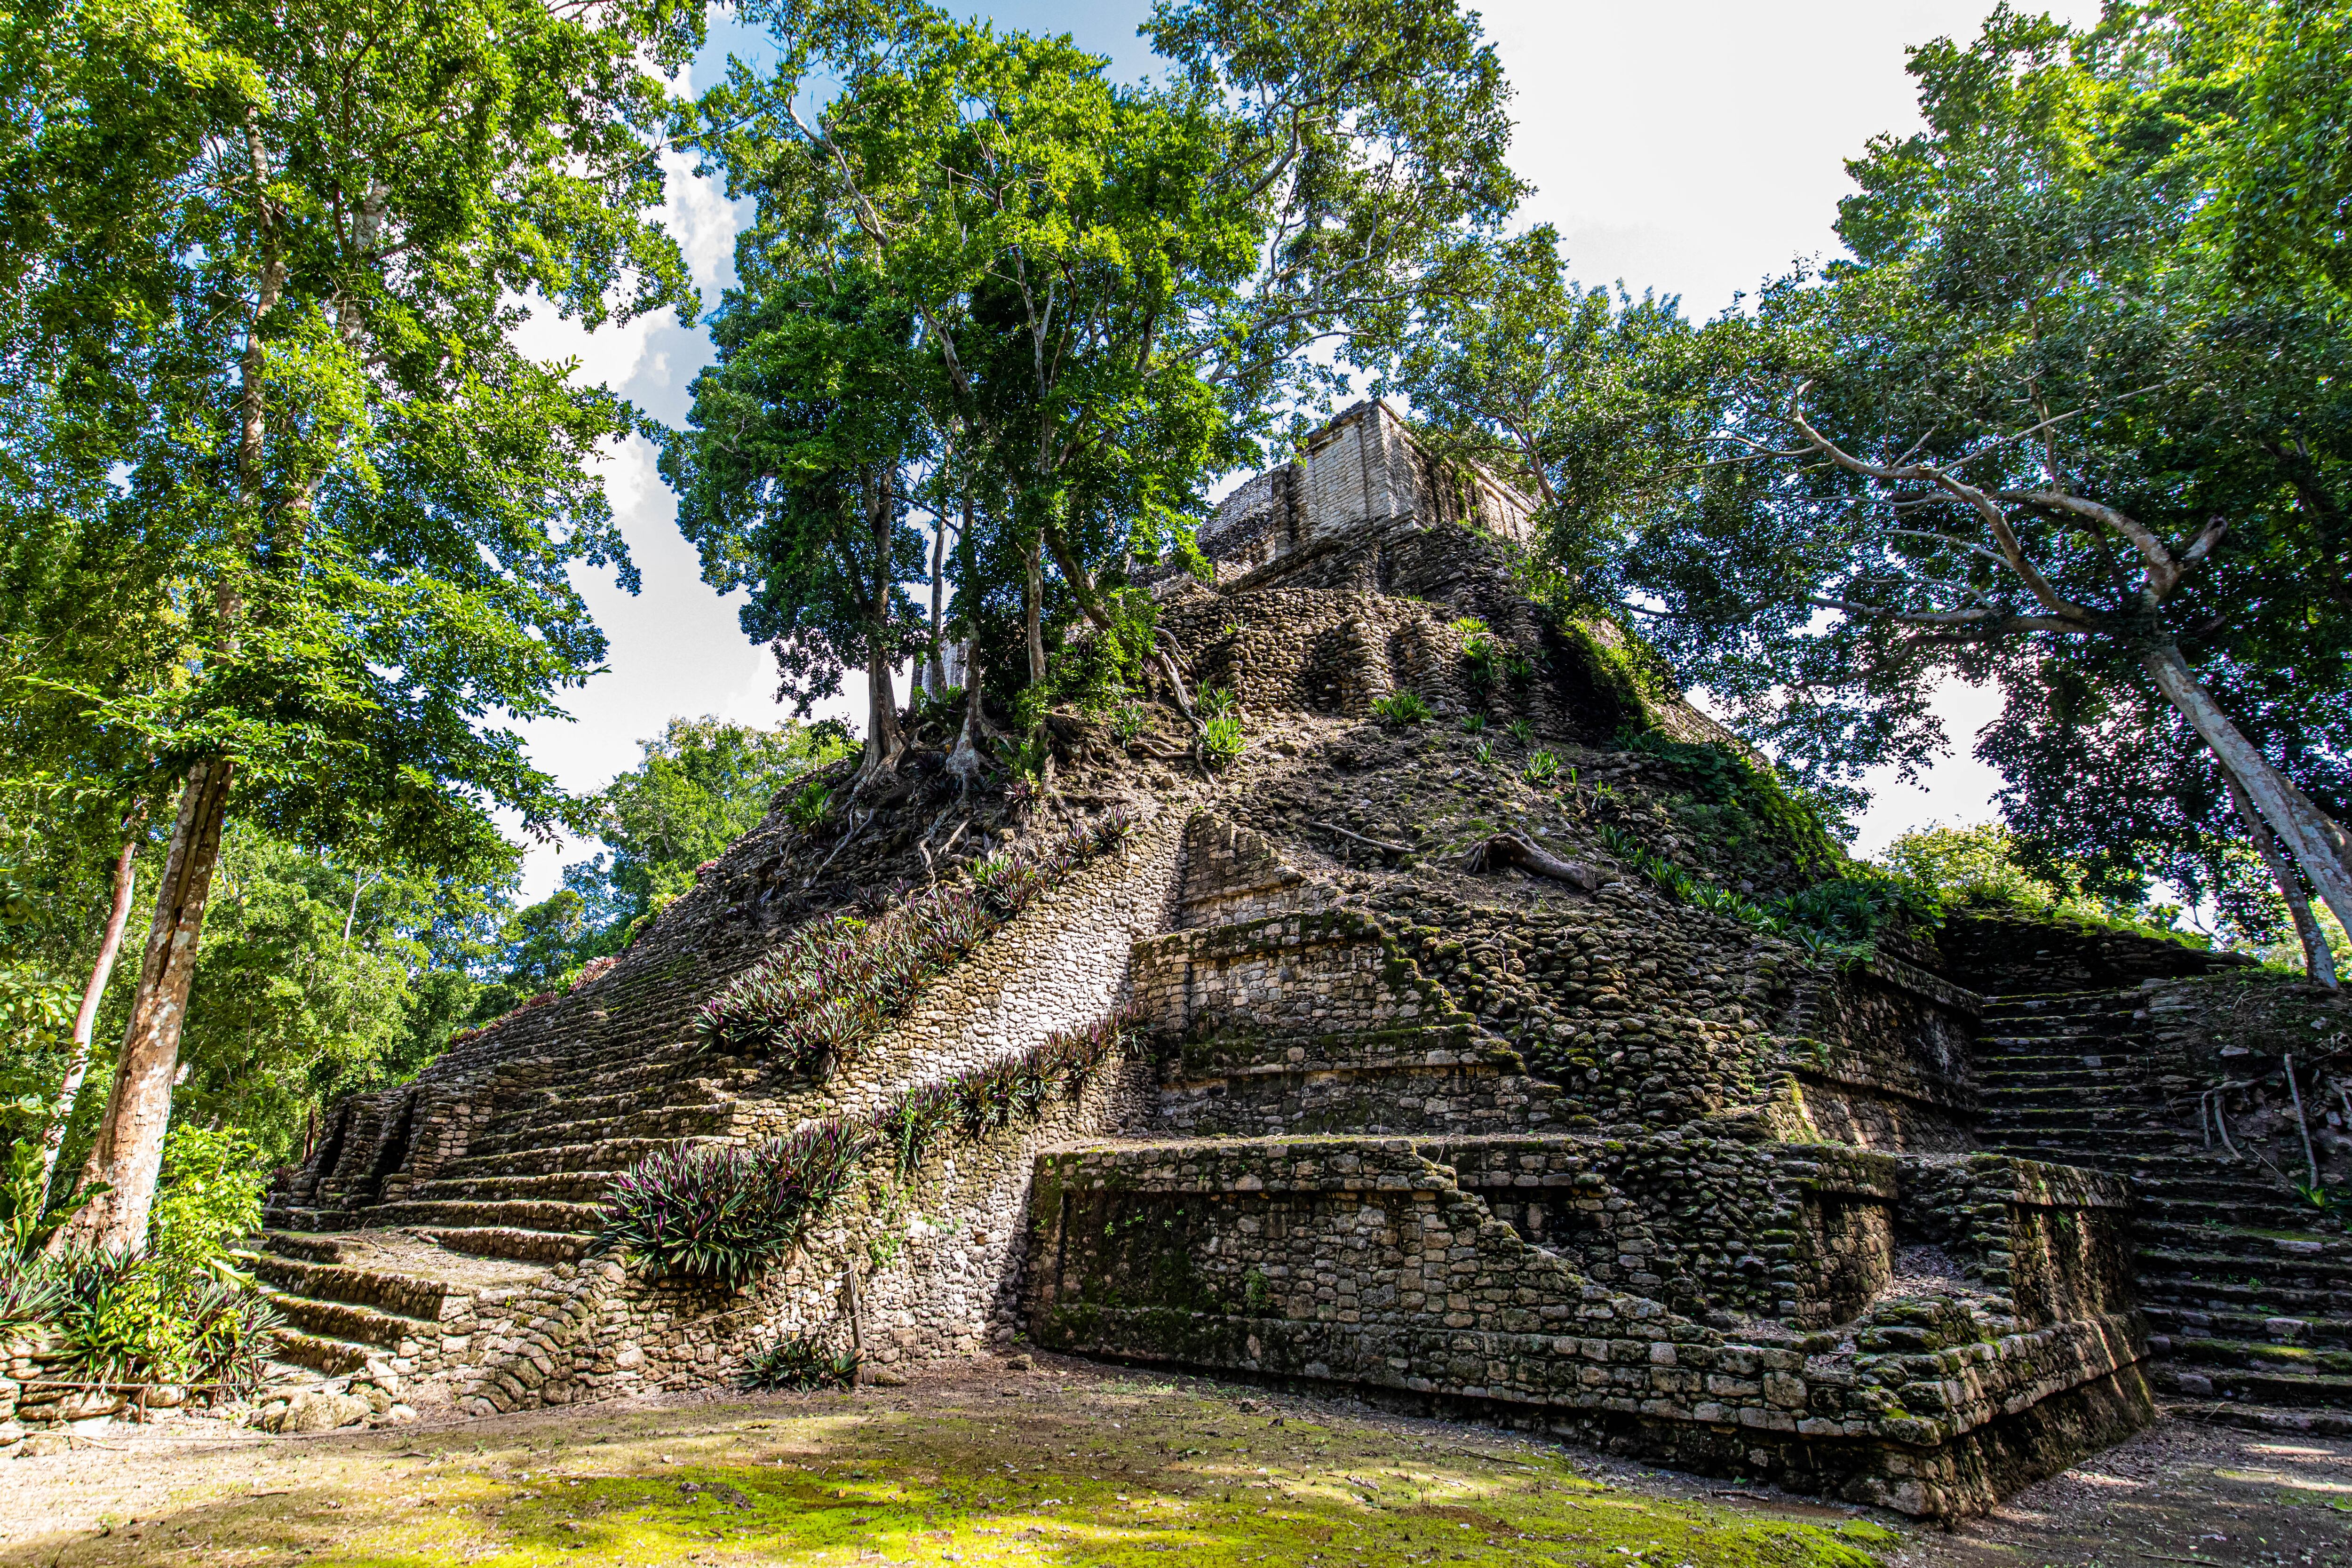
pixel 1385 848
pixel 1515 848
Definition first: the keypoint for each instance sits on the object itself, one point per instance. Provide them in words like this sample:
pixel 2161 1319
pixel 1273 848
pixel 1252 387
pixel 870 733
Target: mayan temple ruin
pixel 1449 1073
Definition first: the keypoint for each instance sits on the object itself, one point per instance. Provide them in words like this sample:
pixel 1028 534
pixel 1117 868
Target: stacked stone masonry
pixel 1594 1161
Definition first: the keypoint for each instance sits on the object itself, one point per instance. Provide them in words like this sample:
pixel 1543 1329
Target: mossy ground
pixel 1073 1467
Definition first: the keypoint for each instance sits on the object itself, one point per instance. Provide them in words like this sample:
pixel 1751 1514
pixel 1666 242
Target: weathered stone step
pixel 2181 1322
pixel 2169 1274
pixel 2263 1355
pixel 2046 1026
pixel 2261 1299
pixel 2041 1003
pixel 349 1324
pixel 2264 1417
pixel 511 1241
pixel 607 1154
pixel 550 1108
pixel 731 1071
pixel 666 1122
pixel 2184 1221
pixel 570 1186
pixel 320 1353
pixel 2219 1187
pixel 2231 1249
pixel 2187 1160
pixel 2012 1039
pixel 541 1214
pixel 309 1246
pixel 408 1295
pixel 2090 1119
pixel 307 1220
pixel 2051 1089
pixel 2254 1386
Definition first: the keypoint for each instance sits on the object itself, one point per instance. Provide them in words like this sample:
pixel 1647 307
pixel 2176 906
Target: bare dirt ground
pixel 1078 1463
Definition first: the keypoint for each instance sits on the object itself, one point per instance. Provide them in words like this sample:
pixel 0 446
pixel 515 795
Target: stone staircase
pixel 408 1279
pixel 2249 1302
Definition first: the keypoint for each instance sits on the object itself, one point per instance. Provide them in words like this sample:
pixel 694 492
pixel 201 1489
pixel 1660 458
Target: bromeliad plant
pixel 724 1213
pixel 816 1000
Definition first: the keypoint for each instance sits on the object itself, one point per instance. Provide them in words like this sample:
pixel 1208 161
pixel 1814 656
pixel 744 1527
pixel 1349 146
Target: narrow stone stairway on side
pixel 2248 1298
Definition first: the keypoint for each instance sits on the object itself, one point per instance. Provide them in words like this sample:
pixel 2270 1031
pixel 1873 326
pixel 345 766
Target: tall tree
pixel 2043 423
pixel 1115 288
pixel 285 324
pixel 793 480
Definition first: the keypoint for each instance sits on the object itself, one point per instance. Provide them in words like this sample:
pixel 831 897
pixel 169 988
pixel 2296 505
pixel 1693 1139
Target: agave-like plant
pixel 31 1292
pixel 798 1363
pixel 913 1123
pixel 1112 829
pixel 233 1331
pixel 708 1213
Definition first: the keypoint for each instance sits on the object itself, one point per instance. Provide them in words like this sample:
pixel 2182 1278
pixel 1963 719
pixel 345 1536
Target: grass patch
pixel 1068 1471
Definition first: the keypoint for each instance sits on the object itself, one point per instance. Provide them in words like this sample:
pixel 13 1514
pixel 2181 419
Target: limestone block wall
pixel 938 1261
pixel 1647 1013
pixel 2055 1238
pixel 1803 1234
pixel 1315 973
pixel 949 1244
pixel 1364 468
pixel 1366 1262
pixel 2002 952
pixel 1232 874
pixel 1882 1054
pixel 1424 1079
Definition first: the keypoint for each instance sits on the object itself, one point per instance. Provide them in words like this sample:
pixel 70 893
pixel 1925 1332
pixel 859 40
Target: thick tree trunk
pixel 935 674
pixel 2318 959
pixel 1033 605
pixel 883 740
pixel 118 916
pixel 1083 588
pixel 130 1149
pixel 2308 836
pixel 964 760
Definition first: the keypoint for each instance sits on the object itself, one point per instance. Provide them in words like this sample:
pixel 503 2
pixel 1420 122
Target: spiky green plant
pixel 805 809
pixel 1400 709
pixel 793 1363
pixel 1541 768
pixel 1473 724
pixel 1222 739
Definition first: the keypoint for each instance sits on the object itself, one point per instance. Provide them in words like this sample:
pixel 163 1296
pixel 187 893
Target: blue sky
pixel 1690 146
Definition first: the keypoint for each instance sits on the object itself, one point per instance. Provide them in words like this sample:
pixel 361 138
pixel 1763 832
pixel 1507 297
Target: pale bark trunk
pixel 2303 830
pixel 118 916
pixel 2319 960
pixel 1034 607
pixel 883 740
pixel 964 760
pixel 935 673
pixel 129 1152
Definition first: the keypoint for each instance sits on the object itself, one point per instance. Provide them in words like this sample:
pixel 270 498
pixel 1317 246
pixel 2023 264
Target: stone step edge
pixel 321 1354
pixel 497 1241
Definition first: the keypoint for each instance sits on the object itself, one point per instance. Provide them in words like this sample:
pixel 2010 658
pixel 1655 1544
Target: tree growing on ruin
pixel 2051 423
pixel 1114 287
pixel 264 266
